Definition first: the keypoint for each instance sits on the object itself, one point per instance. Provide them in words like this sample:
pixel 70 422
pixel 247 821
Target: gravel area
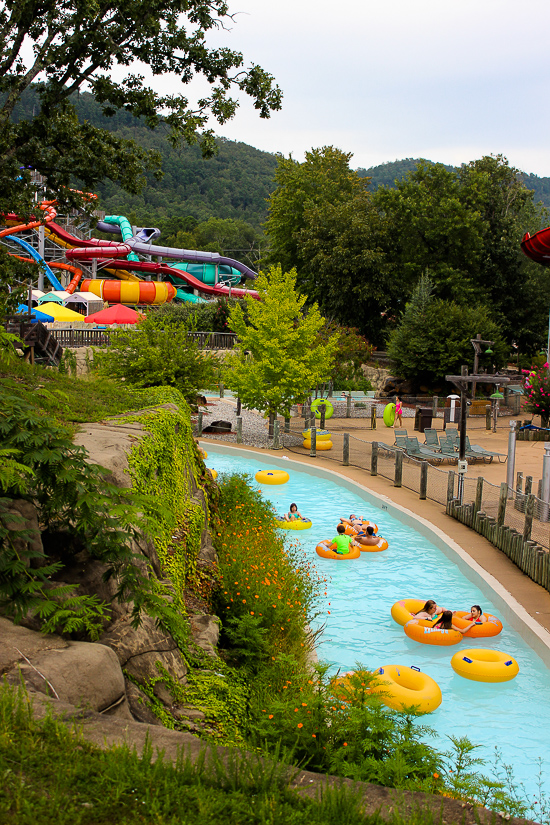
pixel 254 425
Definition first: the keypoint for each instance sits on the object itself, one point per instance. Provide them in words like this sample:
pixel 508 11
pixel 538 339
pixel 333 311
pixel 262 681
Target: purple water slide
pixel 192 255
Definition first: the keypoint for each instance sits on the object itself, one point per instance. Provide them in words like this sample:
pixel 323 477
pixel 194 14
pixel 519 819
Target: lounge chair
pixel 452 434
pixel 481 452
pixel 447 450
pixel 416 450
pixel 431 438
pixel 400 434
pixel 401 441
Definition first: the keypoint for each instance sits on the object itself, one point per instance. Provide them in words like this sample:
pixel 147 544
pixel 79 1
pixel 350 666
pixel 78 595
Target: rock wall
pixel 376 375
pixel 134 672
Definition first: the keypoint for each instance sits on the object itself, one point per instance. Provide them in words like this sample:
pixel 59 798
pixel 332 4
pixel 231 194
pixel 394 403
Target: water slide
pixel 37 259
pixel 537 246
pixel 107 250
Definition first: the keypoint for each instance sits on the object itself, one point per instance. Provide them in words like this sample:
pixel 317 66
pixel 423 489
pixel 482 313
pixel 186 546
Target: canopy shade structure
pixel 117 314
pixel 36 315
pixel 58 296
pixel 61 313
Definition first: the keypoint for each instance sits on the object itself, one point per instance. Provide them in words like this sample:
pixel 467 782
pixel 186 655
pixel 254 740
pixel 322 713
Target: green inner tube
pixel 329 409
pixel 389 415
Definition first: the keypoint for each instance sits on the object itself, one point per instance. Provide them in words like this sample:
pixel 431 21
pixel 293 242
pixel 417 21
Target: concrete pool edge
pixel 534 634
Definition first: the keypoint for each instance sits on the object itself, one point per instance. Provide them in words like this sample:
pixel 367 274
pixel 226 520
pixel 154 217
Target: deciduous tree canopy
pixel 78 44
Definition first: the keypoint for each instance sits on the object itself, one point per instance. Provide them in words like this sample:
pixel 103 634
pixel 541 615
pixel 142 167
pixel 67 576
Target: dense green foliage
pixel 353 351
pixel 153 354
pixel 74 45
pixel 361 255
pixel 433 337
pixel 279 356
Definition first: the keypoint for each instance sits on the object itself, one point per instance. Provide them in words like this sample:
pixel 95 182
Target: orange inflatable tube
pixel 421 630
pixel 351 531
pixel 480 630
pixel 323 551
pixel 372 547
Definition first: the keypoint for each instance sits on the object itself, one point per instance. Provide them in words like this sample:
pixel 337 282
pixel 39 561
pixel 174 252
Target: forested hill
pixel 387 173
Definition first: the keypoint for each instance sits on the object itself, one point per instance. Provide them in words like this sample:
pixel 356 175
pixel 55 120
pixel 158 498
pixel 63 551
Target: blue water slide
pixel 39 260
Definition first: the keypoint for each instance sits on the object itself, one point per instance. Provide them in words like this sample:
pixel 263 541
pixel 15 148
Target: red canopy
pixel 117 314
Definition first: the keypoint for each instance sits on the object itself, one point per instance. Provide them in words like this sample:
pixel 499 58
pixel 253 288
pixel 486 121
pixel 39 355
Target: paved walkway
pixel 535 599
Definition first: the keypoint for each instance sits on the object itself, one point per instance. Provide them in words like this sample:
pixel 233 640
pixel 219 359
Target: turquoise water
pixel 513 716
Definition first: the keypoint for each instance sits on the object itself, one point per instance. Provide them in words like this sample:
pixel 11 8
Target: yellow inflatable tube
pixel 296 524
pixel 323 551
pixel 403 611
pixel 482 665
pixel 401 687
pixel 421 630
pixel 321 435
pixel 320 445
pixel 271 477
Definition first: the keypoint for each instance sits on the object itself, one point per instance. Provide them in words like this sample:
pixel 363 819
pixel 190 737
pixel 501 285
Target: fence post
pixel 502 503
pixel 287 425
pixel 450 485
pixel 398 469
pixel 435 402
pixel 199 424
pixel 529 510
pixel 373 417
pixel 276 435
pixel 479 495
pixel 423 480
pixel 519 502
pixel 528 485
pixel 345 457
pixel 374 459
pixel 348 406
pixel 239 429
pixel 488 418
pixel 313 450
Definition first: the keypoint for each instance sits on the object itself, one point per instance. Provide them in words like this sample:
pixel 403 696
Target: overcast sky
pixel 388 80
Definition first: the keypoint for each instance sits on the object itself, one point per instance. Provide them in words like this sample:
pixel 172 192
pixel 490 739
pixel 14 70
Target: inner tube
pixel 422 630
pixel 329 409
pixel 321 435
pixel 377 545
pixel 482 665
pixel 481 630
pixel 323 551
pixel 272 477
pixel 389 415
pixel 320 445
pixel 402 687
pixel 403 611
pixel 293 525
pixel 351 531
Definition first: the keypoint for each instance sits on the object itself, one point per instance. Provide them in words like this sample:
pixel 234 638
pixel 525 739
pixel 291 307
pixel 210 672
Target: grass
pixel 51 775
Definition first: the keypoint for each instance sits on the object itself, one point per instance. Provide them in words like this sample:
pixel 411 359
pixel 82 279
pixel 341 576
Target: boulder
pixel 137 701
pixel 17 642
pixel 219 427
pixel 205 630
pixel 83 674
pixel 139 649
pixel 25 517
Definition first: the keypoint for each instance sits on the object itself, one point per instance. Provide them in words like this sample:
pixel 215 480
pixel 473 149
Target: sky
pixel 388 80
pixel 450 82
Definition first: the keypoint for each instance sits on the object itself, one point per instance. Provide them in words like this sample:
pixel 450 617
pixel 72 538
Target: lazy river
pixel 514 716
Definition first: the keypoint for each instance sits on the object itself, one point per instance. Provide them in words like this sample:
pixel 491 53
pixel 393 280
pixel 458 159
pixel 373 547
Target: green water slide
pixel 125 230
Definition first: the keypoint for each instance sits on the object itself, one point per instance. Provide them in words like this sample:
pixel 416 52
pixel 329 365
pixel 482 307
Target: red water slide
pixel 537 246
pixel 86 249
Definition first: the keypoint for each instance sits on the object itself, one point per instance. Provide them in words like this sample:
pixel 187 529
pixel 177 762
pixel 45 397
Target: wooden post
pixel 374 459
pixel 199 424
pixel 313 450
pixel 503 497
pixel 345 457
pixel 373 417
pixel 479 495
pixel 488 417
pixel 239 429
pixel 529 511
pixel 528 485
pixel 423 480
pixel 348 406
pixel 398 468
pixel 519 501
pixel 451 485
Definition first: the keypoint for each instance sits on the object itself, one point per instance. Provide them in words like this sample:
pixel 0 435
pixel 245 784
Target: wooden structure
pixel 38 344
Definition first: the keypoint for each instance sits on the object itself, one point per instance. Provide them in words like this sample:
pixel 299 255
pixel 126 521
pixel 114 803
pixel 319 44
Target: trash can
pixel 425 416
pixel 447 419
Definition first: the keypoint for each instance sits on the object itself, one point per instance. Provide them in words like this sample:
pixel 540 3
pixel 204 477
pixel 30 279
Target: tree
pixel 433 337
pixel 279 357
pixel 77 44
pixel 156 353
